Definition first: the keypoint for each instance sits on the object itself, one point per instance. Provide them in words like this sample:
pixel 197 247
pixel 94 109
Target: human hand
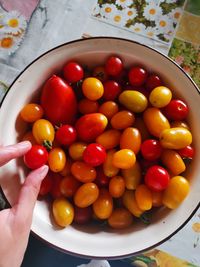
pixel 15 223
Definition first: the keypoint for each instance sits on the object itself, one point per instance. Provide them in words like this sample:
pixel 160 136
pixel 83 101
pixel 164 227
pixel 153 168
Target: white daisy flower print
pixel 9 43
pixel 164 24
pixel 175 14
pixel 152 11
pixel 124 3
pixel 127 14
pixel 14 22
pixel 108 11
pixel 138 28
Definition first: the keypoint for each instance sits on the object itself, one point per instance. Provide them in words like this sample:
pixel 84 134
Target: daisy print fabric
pixel 12 29
pixel 155 19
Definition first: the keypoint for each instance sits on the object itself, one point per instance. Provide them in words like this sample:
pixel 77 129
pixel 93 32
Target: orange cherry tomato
pixel 140 125
pixel 155 121
pixel 69 186
pixel 76 150
pixel 87 106
pixel 131 139
pixel 117 186
pixel 103 206
pixel 83 172
pixel 108 168
pixel 143 197
pixel 29 137
pixel 57 159
pixel 173 161
pixel 109 109
pixel 176 192
pixel 92 88
pixel 182 124
pixel 100 73
pixel 122 120
pixel 67 168
pixel 43 130
pixel 130 203
pixel 63 212
pixel 124 159
pixel 157 198
pixel 86 195
pixel 109 139
pixel 132 176
pixel 120 218
pixel 32 112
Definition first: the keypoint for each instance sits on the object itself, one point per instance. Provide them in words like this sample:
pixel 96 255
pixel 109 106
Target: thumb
pixel 23 209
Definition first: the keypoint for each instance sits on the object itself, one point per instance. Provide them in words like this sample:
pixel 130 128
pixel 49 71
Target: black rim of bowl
pixel 183 224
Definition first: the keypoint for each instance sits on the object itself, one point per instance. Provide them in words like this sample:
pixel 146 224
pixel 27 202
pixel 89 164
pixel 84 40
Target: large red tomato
pixel 58 101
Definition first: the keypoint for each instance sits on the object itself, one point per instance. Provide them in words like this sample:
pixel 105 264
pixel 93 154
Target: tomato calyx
pixel 47 144
pixel 146 217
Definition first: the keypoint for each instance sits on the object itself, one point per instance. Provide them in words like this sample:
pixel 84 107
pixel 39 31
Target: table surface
pixel 53 23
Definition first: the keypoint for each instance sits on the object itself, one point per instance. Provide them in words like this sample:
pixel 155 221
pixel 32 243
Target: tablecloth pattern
pixel 171 26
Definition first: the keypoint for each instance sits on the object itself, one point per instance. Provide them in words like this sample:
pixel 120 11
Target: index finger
pixel 8 153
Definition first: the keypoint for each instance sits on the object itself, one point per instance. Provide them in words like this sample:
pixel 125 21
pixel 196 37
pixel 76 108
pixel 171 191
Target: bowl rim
pixel 195 209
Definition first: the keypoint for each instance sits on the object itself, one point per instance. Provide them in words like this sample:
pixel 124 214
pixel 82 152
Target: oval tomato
pixel 120 218
pixel 58 101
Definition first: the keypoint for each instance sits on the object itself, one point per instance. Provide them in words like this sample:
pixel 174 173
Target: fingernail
pixel 43 170
pixel 24 144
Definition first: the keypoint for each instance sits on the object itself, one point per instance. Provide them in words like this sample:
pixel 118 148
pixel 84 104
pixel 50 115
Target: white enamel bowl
pixel 87 241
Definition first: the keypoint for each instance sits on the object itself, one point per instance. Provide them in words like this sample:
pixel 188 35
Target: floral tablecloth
pixel 29 28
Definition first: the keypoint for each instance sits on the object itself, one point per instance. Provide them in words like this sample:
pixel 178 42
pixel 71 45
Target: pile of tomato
pixel 116 140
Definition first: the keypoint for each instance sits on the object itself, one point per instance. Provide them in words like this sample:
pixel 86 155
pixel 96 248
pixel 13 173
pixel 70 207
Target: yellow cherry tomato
pixel 109 109
pixel 160 97
pixel 103 206
pixel 143 197
pixel 117 186
pixel 63 212
pixel 176 192
pixel 87 106
pixel 124 159
pixel 181 124
pixel 57 159
pixel 122 119
pixel 29 137
pixel 120 218
pixel 140 125
pixel 157 198
pixel 76 150
pixel 131 139
pixel 109 139
pixel 130 203
pixel 43 130
pixel 132 176
pixel 108 168
pixel 31 112
pixel 86 195
pixel 155 121
pixel 92 88
pixel 173 161
pixel 175 138
pixel 133 100
pixel 83 172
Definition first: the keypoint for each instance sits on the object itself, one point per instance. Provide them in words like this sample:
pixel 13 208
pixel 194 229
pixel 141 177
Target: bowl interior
pixel 95 241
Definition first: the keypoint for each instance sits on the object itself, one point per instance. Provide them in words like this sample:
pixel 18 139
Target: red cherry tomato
pixel 151 149
pixel 94 154
pixel 186 152
pixel 137 76
pixel 82 215
pixel 73 72
pixel 46 185
pixel 66 135
pixel 55 190
pixel 101 179
pixel 176 110
pixel 113 66
pixel 157 178
pixel 152 82
pixel 36 157
pixel 58 101
pixel 111 90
